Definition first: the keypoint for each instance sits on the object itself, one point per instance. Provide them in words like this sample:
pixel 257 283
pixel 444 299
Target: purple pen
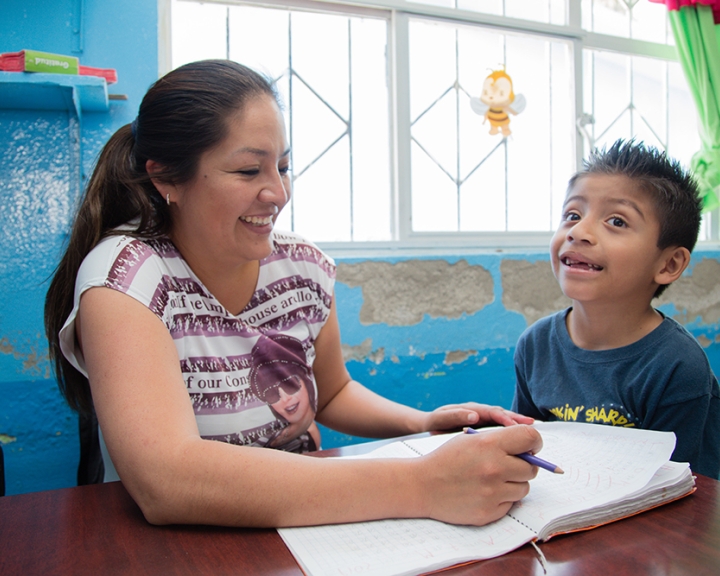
pixel 529 458
pixel 535 461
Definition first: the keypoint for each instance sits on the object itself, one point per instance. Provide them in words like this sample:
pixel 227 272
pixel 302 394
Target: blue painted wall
pixel 414 368
pixel 37 199
pixel 38 191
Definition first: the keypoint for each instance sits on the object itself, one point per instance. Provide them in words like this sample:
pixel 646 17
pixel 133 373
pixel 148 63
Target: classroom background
pixel 424 328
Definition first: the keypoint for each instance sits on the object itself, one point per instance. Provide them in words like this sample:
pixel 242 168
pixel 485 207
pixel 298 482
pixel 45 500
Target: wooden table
pixel 99 530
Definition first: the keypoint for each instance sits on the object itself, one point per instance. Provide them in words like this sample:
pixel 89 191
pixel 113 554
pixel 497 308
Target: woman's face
pixel 225 215
pixel 290 399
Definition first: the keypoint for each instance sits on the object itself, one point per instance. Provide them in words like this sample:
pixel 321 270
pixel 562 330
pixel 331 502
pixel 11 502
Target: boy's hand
pixel 455 416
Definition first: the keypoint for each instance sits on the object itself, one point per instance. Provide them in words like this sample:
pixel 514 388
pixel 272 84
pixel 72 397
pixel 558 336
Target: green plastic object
pixel 36 61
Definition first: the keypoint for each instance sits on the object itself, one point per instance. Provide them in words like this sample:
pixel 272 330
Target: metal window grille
pixel 628 30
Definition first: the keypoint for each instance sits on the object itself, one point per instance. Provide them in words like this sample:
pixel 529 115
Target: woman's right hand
pixel 475 478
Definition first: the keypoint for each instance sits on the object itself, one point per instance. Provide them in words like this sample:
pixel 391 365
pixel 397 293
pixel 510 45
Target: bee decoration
pixel 497 102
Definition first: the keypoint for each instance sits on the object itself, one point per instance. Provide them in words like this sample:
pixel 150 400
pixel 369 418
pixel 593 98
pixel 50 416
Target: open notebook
pixel 610 473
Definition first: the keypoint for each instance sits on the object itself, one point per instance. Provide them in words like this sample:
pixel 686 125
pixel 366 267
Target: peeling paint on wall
pixel 458 356
pixel 704 341
pixel 363 352
pixel 696 294
pixel 416 353
pixel 32 362
pixel 531 289
pixel 401 294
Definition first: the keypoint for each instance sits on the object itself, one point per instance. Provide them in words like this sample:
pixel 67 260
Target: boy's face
pixel 605 248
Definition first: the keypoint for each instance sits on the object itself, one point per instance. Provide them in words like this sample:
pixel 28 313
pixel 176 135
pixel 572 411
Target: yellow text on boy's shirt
pixel 594 415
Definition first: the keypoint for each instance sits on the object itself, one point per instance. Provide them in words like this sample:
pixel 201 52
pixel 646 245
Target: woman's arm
pixel 347 406
pixel 177 477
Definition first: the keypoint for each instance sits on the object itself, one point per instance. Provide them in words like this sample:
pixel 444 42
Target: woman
pixel 177 274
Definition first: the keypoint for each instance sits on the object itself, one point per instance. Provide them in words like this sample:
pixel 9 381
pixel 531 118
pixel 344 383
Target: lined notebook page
pixel 602 464
pixel 399 547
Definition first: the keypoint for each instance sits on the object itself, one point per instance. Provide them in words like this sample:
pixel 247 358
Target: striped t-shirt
pixel 243 373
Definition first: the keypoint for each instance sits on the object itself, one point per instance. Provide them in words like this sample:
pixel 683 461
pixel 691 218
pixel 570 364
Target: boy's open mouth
pixel 579 264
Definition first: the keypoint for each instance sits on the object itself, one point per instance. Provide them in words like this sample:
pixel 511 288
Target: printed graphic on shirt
pixel 281 377
pixel 612 415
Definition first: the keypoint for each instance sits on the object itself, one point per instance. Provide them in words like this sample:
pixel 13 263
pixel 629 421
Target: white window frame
pixel 398 14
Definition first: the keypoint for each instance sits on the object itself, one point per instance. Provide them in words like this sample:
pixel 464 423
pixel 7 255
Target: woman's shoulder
pixel 118 257
pixel 116 240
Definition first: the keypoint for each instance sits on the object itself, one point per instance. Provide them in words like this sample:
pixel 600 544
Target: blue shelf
pixel 36 91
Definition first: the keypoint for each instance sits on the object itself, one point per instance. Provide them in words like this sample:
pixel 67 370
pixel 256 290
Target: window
pixel 390 143
pixel 463 178
pixel 331 70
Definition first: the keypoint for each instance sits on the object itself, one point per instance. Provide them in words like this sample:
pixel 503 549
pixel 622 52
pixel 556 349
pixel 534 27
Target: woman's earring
pixel 168 199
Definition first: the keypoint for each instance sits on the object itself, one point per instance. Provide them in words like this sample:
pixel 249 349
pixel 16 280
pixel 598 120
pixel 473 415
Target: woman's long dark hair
pixel 183 115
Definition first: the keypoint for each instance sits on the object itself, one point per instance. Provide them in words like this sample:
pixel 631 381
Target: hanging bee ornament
pixel 497 102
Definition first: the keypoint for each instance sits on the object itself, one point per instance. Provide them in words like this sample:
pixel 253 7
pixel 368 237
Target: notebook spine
pixel 413 449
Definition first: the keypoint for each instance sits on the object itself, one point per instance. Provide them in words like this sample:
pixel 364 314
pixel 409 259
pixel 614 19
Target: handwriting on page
pixel 602 464
pixel 404 546
pixel 598 469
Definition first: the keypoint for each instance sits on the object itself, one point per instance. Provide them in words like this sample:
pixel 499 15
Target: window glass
pixel 335 99
pixel 549 11
pixel 464 177
pixel 636 19
pixel 356 152
pixel 642 97
pixel 198 32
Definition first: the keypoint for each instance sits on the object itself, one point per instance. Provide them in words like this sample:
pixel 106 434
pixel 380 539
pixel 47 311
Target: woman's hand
pixel 455 416
pixel 476 478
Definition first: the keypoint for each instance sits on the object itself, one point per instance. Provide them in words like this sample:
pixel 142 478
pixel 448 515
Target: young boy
pixel 630 220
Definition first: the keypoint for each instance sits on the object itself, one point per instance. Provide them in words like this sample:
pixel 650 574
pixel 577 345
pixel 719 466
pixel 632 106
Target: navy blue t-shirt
pixel 661 382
